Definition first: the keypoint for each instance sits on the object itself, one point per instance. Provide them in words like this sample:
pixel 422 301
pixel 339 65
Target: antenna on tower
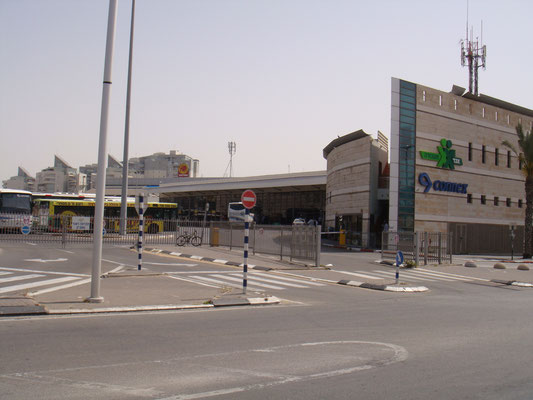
pixel 232 147
pixel 474 55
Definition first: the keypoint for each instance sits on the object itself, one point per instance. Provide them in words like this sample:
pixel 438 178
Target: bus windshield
pixel 19 203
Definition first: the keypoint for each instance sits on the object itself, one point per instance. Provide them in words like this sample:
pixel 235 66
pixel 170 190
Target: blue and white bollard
pixel 141 230
pixel 245 264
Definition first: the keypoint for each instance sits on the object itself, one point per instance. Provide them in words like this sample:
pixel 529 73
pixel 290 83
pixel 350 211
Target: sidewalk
pixel 130 290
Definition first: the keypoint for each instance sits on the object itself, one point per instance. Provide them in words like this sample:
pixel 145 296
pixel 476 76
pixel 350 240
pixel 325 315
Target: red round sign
pixel 248 199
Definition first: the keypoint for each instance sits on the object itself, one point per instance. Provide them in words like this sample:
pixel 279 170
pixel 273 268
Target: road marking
pixel 193 281
pixel 358 274
pixel 222 283
pixel 20 278
pixel 392 274
pixel 436 274
pixel 257 277
pixel 462 276
pixel 14 288
pixel 53 289
pixel 46 261
pixel 304 281
pixel 255 283
pixel 43 272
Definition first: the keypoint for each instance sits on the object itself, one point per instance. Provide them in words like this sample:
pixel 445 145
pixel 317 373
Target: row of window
pixel 483 199
pixel 484 114
pixel 496 156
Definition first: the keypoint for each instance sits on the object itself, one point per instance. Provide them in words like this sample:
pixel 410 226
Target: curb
pixel 388 288
pixel 250 301
pixel 512 283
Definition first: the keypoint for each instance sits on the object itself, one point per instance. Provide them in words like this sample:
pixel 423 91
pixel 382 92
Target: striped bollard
pixel 245 264
pixel 141 230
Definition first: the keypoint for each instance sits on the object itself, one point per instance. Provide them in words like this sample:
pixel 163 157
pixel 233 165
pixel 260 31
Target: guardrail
pixel 420 247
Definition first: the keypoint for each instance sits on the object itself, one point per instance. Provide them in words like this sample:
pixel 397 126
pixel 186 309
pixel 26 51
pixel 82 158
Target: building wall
pixel 495 194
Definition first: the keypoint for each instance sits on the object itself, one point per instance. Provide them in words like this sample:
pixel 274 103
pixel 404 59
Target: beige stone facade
pixel 354 162
pixel 476 128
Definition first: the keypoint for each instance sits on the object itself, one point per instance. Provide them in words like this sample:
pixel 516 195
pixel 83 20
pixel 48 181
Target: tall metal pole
pixel 125 158
pixel 102 157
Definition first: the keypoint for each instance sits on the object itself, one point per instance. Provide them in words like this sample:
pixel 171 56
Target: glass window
pixel 508 158
pixel 407 112
pixel 496 154
pixel 508 202
pixel 496 201
pixel 469 198
pixel 519 203
pixel 483 155
pixel 406 119
pixel 407 99
pixel 483 199
pixel 469 151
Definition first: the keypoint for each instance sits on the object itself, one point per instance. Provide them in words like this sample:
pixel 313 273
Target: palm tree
pixel 525 144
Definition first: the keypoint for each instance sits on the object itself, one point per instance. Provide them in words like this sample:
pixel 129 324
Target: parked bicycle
pixel 193 239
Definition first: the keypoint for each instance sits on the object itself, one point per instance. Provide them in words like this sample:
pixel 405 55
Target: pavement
pixel 130 290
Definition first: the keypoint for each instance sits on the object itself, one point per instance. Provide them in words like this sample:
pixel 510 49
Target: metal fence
pixel 69 230
pixel 296 243
pixel 293 242
pixel 419 247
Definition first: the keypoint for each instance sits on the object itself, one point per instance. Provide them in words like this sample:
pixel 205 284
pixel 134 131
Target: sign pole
pixel 245 264
pixel 399 261
pixel 141 230
pixel 248 199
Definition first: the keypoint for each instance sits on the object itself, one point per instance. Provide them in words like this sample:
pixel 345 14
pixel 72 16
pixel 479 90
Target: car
pixel 298 221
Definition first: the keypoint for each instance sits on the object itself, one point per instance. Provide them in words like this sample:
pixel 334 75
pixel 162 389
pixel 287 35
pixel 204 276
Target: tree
pixel 525 144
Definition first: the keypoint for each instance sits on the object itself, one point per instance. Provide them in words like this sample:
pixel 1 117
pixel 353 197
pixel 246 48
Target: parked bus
pixel 51 211
pixel 15 209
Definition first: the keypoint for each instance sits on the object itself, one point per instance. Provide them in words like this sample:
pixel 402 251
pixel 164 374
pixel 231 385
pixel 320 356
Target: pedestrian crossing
pixel 15 280
pixel 256 280
pixel 415 275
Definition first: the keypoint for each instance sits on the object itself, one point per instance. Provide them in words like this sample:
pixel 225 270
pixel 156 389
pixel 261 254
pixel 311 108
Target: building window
pixel 508 158
pixel 483 199
pixel 508 119
pixel 496 154
pixel 469 151
pixel 483 154
pixel 496 115
pixel 423 95
pixel 440 100
pixel 496 200
pixel 483 112
pixel 519 203
pixel 455 105
pixel 508 202
pixel 469 198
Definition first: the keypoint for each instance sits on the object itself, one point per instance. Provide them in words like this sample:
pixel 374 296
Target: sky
pixel 281 78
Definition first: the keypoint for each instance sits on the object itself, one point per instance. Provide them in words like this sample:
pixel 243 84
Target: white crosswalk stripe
pixel 14 288
pixel 19 278
pixel 256 280
pixel 418 274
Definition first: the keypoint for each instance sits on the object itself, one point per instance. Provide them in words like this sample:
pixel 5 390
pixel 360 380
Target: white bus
pixel 15 209
pixel 236 212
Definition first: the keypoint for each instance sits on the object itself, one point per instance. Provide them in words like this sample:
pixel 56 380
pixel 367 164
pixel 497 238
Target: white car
pixel 298 221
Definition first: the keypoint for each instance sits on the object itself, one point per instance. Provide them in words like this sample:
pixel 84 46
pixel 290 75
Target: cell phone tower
pixel 232 147
pixel 473 54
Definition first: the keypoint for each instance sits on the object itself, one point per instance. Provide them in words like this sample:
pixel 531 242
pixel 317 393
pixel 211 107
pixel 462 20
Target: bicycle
pixel 185 238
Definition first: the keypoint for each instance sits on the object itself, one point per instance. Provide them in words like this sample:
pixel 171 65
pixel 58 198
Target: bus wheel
pixel 153 228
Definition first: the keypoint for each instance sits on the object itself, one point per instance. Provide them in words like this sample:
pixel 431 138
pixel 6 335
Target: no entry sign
pixel 248 199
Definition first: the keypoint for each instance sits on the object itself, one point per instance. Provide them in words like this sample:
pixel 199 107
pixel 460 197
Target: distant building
pixel 59 178
pixel 161 165
pixel 114 170
pixel 23 181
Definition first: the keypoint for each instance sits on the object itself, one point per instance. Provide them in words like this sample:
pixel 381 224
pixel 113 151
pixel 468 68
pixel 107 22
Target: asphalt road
pixel 461 340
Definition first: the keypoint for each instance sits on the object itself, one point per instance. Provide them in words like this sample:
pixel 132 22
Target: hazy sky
pixel 282 78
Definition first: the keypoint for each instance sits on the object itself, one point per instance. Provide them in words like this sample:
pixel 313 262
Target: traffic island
pixel 385 287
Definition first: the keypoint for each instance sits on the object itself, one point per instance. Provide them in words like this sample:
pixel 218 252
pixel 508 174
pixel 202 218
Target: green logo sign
pixel 445 158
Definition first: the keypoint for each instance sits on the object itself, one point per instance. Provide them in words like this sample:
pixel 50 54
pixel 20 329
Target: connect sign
pixel 248 199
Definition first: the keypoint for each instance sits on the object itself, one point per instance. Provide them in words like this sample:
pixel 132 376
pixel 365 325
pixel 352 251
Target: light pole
pixel 102 157
pixel 125 158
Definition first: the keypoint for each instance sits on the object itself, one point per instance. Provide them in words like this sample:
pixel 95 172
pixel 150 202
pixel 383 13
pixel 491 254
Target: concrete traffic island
pixel 402 287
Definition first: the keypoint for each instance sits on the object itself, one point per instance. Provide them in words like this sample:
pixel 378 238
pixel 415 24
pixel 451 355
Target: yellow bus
pixel 53 213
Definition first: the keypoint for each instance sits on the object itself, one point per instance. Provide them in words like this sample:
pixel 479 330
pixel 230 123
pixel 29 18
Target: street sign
pixel 25 229
pixel 399 258
pixel 248 199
